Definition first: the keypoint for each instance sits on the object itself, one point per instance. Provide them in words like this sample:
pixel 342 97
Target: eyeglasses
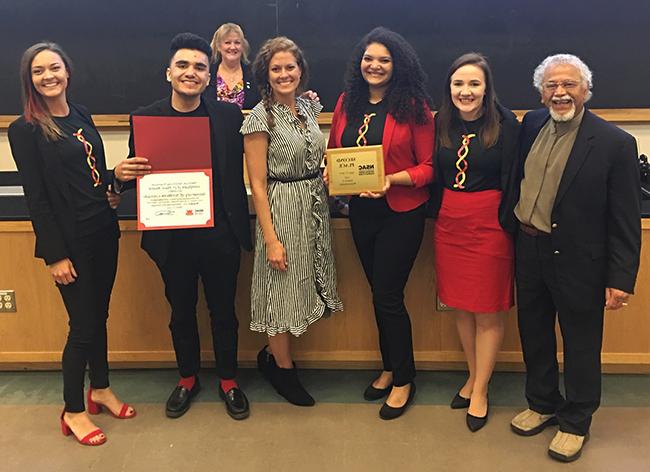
pixel 566 85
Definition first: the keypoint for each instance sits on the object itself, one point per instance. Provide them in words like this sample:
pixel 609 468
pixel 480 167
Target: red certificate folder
pixel 173 144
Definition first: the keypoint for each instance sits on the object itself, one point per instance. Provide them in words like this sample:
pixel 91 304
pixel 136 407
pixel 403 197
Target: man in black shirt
pixel 212 253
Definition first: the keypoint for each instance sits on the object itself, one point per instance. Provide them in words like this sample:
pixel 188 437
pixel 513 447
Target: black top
pixel 508 140
pixel 49 197
pixel 251 94
pixel 220 220
pixel 375 132
pixel 481 167
pixel 91 206
pixel 227 173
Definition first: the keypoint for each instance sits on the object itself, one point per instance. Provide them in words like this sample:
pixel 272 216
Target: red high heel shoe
pixel 87 440
pixel 95 408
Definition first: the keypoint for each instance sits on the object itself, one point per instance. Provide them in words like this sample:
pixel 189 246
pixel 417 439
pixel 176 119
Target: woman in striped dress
pixel 294 278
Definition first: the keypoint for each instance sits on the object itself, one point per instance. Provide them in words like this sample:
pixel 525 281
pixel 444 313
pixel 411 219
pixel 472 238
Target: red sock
pixel 227 384
pixel 187 382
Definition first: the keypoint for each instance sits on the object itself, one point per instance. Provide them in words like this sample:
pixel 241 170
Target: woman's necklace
pixel 229 76
pixel 363 129
pixel 461 163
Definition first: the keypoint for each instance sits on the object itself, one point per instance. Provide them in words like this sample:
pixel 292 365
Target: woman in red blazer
pixel 385 103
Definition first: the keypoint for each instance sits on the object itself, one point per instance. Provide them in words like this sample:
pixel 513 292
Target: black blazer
pixel 510 139
pixel 596 216
pixel 251 94
pixel 228 172
pixel 46 187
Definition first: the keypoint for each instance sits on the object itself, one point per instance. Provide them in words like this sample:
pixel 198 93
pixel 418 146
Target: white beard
pixel 568 116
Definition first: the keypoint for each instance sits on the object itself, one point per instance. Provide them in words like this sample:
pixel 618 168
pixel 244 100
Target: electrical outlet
pixel 7 301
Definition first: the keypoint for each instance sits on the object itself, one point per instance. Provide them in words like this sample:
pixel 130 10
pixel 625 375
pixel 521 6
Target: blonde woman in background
pixel 231 75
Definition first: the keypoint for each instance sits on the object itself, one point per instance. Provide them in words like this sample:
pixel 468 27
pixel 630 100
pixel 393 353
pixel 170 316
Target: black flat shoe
pixel 474 423
pixel 180 400
pixel 459 402
pixel 236 403
pixel 388 412
pixel 372 393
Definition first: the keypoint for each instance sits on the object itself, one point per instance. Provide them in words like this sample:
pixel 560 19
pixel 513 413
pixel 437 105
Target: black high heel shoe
pixel 284 381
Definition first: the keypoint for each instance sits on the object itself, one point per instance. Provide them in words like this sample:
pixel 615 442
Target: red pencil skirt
pixel 474 256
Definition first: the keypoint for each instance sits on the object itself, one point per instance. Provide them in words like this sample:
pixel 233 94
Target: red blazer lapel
pixel 389 128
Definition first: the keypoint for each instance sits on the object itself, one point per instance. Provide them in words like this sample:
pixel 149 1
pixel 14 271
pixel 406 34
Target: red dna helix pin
pixel 461 163
pixel 363 129
pixel 90 159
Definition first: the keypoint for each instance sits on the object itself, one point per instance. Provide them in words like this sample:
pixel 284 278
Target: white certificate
pixel 175 199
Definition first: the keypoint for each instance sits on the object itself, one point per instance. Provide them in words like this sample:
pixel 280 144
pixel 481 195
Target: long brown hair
pixel 35 109
pixel 261 69
pixel 448 114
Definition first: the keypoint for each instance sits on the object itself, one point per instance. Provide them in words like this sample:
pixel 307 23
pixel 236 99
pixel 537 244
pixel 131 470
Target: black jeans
pixel 214 255
pixel 94 258
pixel 540 299
pixel 387 243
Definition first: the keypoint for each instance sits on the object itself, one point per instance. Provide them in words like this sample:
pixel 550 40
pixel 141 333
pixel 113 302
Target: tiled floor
pixel 341 433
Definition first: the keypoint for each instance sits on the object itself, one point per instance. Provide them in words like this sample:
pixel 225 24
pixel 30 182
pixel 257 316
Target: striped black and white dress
pixel 290 301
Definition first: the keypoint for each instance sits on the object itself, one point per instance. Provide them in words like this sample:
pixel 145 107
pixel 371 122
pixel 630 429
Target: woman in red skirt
pixel 477 142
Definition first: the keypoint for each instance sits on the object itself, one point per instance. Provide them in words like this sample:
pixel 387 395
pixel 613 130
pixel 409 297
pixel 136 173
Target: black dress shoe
pixel 180 399
pixel 372 393
pixel 388 412
pixel 459 402
pixel 236 403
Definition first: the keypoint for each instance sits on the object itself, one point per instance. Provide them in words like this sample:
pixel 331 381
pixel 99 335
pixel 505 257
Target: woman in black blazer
pixel 60 158
pixel 231 78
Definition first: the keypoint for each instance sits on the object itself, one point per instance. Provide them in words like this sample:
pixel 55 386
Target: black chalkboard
pixel 119 47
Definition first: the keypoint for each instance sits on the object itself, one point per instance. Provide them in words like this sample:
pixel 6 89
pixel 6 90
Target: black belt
pixel 531 230
pixel 296 179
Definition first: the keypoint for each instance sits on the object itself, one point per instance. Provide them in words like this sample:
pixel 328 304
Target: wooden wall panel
pixel 139 314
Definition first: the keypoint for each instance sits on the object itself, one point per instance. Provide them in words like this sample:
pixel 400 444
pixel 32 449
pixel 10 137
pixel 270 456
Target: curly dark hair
pixel 261 69
pixel 406 97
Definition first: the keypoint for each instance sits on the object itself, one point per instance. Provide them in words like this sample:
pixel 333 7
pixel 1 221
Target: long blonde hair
pixel 221 33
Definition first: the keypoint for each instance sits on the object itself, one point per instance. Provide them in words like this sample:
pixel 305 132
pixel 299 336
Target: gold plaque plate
pixel 354 170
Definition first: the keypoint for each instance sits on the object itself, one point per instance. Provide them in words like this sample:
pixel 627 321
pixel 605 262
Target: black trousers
pixel 388 242
pixel 540 298
pixel 214 255
pixel 94 258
